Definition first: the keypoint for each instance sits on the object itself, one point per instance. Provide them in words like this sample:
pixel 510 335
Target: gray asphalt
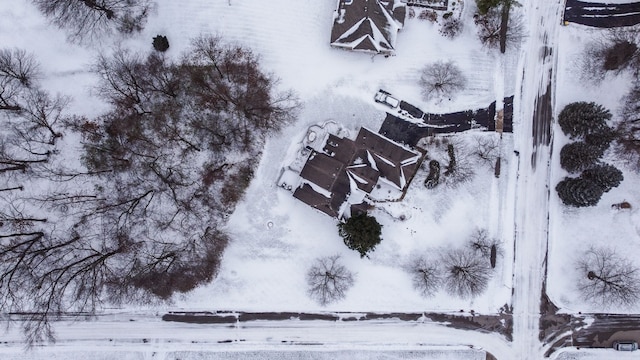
pixel 602 15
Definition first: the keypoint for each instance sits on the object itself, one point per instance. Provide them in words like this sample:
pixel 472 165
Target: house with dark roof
pixel 368 25
pixel 340 179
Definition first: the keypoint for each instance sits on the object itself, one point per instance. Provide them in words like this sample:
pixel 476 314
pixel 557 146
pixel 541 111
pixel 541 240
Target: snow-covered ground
pixel 574 230
pixel 275 237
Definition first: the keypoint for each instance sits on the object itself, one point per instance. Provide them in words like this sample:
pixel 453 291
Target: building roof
pixel 307 195
pixel 367 25
pixel 349 169
pixel 321 169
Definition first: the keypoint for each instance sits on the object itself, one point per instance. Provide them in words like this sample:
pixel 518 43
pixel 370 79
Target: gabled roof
pixel 394 162
pixel 307 195
pixel 347 170
pixel 368 25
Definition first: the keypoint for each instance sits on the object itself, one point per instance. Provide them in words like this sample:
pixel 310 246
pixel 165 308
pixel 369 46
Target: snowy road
pixel 533 139
pixel 148 334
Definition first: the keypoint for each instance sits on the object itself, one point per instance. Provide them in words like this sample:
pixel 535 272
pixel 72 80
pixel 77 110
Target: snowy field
pixel 275 237
pixel 263 269
pixel 573 230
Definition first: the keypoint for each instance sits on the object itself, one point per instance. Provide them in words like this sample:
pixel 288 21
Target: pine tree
pixel 602 139
pixel 361 233
pixel 577 156
pixel 580 119
pixel 161 43
pixel 606 176
pixel 579 192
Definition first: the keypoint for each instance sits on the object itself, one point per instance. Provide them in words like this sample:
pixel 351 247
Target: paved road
pixel 602 15
pixel 533 139
pixel 605 329
pixel 589 330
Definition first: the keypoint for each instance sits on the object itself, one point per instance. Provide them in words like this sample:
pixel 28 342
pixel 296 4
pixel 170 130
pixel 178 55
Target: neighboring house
pixel 368 25
pixel 338 179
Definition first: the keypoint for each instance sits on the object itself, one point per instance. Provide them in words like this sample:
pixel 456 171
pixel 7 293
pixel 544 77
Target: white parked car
pixel 384 97
pixel 629 345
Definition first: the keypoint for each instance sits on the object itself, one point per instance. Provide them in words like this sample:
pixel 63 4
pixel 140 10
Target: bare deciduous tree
pixel 90 19
pixel 465 273
pixel 490 25
pixel 488 247
pixel 328 280
pixel 627 144
pixel 441 80
pixel 607 279
pixel 425 275
pixel 487 148
pixel 460 168
pixel 18 72
pixel 614 52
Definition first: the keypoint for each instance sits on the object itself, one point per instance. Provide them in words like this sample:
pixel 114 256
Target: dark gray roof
pixel 321 170
pixel 307 195
pixel 369 25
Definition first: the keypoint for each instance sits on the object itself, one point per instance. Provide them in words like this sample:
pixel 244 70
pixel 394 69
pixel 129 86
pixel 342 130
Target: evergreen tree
pixel 579 192
pixel 580 119
pixel 602 139
pixel 361 233
pixel 161 43
pixel 485 5
pixel 606 176
pixel 577 156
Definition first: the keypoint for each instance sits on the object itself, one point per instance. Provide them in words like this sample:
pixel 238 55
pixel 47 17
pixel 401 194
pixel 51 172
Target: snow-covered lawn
pixel 274 236
pixel 574 230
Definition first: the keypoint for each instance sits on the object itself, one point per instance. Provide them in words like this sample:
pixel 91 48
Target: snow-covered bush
pixel 433 179
pixel 451 27
pixel 428 15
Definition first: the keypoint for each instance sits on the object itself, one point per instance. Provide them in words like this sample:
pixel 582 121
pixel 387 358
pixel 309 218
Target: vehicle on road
pixel 385 98
pixel 627 345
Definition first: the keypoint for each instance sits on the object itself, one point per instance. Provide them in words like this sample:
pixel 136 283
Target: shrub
pixel 451 28
pixel 161 43
pixel 433 179
pixel 428 15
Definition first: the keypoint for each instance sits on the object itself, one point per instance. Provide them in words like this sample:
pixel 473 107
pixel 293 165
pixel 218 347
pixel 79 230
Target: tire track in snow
pixel 532 194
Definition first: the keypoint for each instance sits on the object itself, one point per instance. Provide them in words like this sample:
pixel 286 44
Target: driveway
pixel 602 15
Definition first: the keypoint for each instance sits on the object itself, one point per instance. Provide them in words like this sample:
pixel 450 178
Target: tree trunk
pixel 504 25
